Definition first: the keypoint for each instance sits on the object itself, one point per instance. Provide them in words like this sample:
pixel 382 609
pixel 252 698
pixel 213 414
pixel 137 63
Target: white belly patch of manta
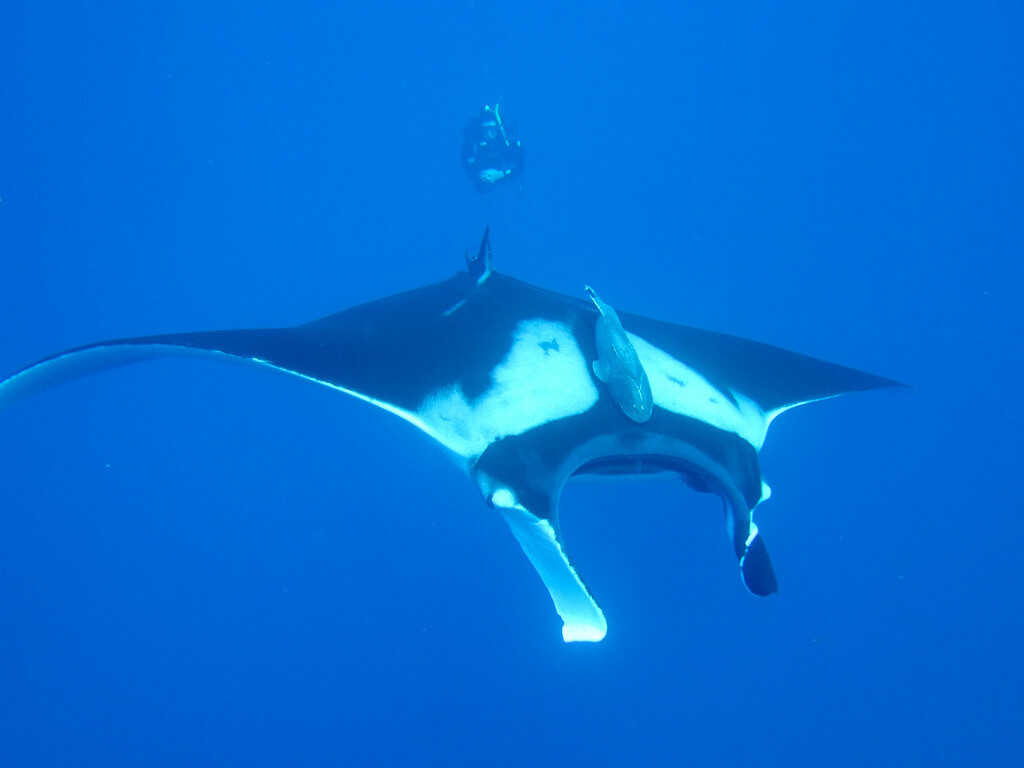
pixel 543 378
pixel 678 388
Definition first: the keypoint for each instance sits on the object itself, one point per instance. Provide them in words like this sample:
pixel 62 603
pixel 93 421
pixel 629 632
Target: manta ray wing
pixel 774 378
pixel 501 374
pixel 389 352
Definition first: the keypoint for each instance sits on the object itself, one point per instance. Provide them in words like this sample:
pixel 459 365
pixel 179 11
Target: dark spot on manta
pixel 680 382
pixel 547 346
pixel 713 400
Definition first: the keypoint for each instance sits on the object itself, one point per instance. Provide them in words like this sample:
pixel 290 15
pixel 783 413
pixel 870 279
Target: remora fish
pixel 501 374
pixel 618 364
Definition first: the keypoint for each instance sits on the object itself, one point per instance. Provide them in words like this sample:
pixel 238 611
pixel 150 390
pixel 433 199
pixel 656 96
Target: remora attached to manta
pixel 526 388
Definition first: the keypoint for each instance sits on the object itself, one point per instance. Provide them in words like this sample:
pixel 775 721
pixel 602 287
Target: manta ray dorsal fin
pixel 482 265
pixel 581 616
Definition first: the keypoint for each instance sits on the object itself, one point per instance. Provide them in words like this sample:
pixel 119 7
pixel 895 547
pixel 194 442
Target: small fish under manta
pixel 526 388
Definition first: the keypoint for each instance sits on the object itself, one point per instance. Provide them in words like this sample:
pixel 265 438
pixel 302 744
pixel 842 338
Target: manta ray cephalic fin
pixel 582 618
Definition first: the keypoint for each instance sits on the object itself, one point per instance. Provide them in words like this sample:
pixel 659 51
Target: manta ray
pixel 525 388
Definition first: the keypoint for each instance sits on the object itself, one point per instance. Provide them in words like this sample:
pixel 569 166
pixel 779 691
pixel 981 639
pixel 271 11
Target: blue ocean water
pixel 203 565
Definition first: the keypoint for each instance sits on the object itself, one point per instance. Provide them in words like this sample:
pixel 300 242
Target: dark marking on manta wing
pixel 549 346
pixel 500 373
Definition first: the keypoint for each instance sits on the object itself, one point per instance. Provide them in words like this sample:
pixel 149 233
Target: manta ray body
pixel 525 388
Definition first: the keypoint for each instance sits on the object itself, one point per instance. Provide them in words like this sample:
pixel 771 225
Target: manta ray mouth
pixel 636 464
pixel 651 464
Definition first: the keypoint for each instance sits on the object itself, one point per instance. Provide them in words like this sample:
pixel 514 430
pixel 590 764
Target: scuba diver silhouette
pixel 491 154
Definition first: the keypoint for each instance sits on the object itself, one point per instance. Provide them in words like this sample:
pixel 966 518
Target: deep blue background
pixel 207 566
